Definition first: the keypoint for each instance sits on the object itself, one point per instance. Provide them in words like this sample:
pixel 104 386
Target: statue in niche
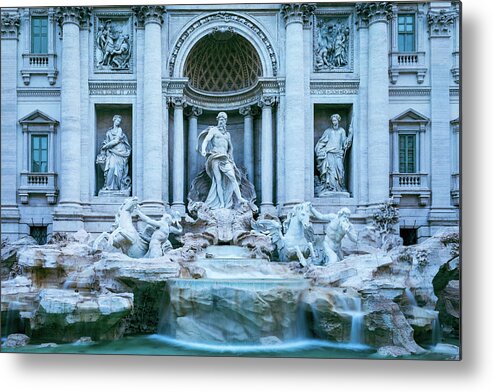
pixel 338 226
pixel 330 152
pixel 113 159
pixel 332 45
pixel 216 147
pixel 113 49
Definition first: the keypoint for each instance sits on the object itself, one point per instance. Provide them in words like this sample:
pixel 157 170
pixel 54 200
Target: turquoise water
pixel 160 345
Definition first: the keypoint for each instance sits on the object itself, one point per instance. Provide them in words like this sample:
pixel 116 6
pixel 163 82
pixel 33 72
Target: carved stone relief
pixel 113 43
pixel 332 44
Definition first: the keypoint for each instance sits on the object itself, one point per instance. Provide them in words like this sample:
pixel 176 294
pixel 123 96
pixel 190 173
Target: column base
pixel 179 207
pixel 268 208
pixel 443 217
pixel 10 222
pixel 152 207
pixel 68 217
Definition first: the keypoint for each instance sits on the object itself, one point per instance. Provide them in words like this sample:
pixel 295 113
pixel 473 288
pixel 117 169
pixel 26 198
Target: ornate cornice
pixel 409 92
pixel 225 17
pixel 38 92
pixel 149 14
pixel 328 87
pixel 374 12
pixel 10 25
pixel 298 12
pixel 112 88
pixel 440 22
pixel 77 15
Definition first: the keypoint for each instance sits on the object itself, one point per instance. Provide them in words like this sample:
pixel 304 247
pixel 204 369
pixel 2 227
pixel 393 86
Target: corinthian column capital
pixel 297 12
pixel 10 25
pixel 374 12
pixel 149 14
pixel 76 15
pixel 441 21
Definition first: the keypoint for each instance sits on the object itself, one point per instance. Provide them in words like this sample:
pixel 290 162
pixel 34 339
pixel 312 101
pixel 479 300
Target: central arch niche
pixel 223 62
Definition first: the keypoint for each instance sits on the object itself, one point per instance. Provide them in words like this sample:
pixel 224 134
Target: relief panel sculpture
pixel 332 45
pixel 113 44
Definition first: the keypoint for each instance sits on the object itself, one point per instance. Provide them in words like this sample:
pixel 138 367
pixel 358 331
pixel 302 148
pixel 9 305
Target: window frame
pixel 46 137
pixel 405 34
pixel 43 38
pixel 401 136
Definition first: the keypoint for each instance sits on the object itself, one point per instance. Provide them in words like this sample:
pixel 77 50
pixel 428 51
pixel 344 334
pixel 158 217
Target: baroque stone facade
pixel 390 71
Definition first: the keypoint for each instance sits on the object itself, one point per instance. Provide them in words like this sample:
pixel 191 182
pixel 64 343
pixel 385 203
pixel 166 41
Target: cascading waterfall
pixel 436 330
pixel 352 306
pixel 410 297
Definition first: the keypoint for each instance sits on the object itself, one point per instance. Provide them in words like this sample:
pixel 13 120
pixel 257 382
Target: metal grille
pixel 39 233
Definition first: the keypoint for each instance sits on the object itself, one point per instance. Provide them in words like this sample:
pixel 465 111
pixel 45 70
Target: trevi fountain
pixel 224 279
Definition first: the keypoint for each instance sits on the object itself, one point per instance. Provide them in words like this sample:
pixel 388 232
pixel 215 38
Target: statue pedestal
pixel 331 194
pixel 109 194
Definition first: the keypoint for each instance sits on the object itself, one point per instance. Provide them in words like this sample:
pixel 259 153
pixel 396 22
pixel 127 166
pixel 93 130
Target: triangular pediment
pixel 410 116
pixel 37 117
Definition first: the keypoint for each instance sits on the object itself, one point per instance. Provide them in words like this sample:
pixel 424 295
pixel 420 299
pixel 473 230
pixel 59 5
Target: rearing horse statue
pixel 294 240
pixel 125 236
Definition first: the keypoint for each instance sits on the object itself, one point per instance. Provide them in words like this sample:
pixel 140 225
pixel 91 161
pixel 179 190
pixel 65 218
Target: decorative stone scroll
pixel 149 14
pixel 332 44
pixel 113 42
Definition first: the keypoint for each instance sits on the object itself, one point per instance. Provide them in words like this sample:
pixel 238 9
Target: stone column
pixel 10 213
pixel 267 159
pixel 154 131
pixel 440 20
pixel 378 15
pixel 363 109
pixel 69 181
pixel 248 154
pixel 294 146
pixel 193 113
pixel 178 155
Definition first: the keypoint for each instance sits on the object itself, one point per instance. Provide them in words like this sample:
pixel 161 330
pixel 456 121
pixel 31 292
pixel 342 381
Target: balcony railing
pixel 38 183
pixel 455 191
pixel 410 184
pixel 39 64
pixel 407 62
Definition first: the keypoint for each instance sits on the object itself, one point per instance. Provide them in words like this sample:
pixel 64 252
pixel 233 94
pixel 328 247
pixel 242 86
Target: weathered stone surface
pixel 16 340
pixel 220 311
pixel 9 255
pixel 423 321
pixel 64 315
pixel 392 351
pixel 325 313
pixel 385 325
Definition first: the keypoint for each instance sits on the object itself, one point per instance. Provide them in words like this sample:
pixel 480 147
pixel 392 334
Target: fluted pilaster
pixel 267 160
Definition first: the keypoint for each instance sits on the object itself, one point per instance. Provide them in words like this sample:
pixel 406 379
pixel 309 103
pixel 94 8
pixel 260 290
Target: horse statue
pixel 125 236
pixel 294 238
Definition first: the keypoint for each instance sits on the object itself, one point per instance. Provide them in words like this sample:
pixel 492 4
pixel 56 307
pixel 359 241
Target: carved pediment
pixel 410 116
pixel 38 118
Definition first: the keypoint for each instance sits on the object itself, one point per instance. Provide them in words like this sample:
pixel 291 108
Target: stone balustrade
pixel 407 62
pixel 38 183
pixel 39 64
pixel 410 184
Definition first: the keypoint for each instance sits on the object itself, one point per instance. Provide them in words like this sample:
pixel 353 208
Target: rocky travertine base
pixel 64 291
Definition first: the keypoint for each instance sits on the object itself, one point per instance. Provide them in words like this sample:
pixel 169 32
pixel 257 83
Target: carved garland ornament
pixel 226 18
